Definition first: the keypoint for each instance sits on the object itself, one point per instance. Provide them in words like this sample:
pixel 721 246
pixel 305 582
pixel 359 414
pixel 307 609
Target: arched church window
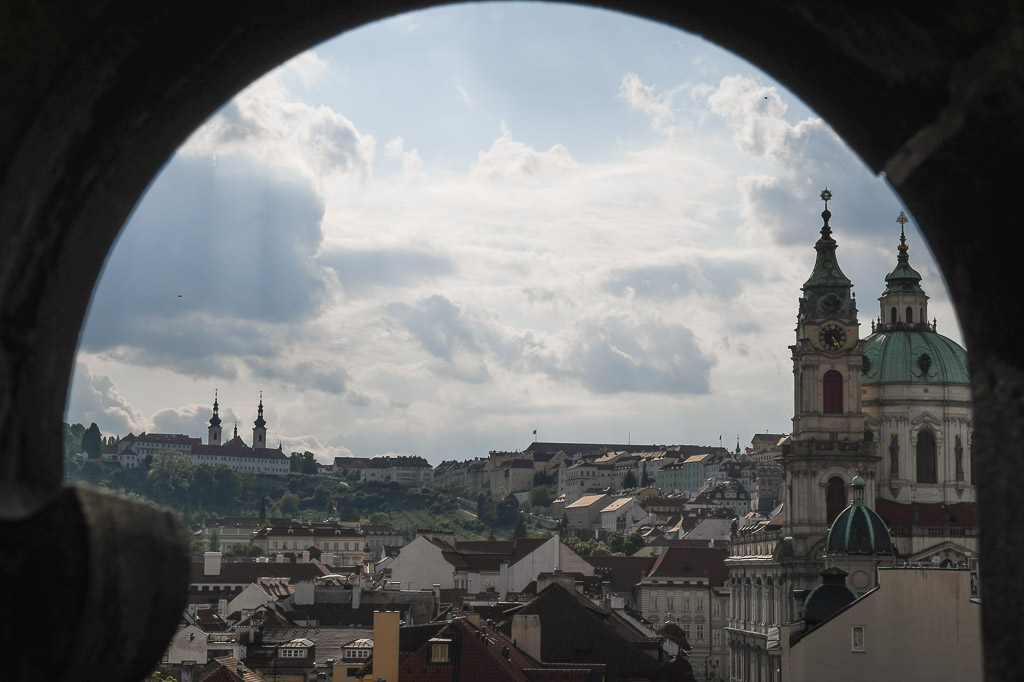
pixel 835 498
pixel 832 392
pixel 927 463
pixel 910 314
pixel 892 315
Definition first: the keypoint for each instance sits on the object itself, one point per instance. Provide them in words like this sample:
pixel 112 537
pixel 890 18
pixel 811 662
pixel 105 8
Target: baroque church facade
pixel 892 410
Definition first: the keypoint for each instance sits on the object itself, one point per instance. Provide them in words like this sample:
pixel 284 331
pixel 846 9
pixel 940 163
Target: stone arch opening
pixel 835 498
pixel 99 108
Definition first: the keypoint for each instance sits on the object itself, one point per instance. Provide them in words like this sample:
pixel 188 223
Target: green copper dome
pixel 858 529
pixel 913 355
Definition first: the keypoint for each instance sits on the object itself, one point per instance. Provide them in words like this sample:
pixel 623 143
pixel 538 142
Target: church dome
pixel 831 595
pixel 858 529
pixel 913 355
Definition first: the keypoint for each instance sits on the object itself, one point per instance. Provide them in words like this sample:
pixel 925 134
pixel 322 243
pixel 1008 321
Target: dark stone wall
pixel 96 95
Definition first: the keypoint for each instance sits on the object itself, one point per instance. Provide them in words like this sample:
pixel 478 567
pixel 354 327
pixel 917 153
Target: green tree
pixel 379 519
pixel 629 481
pixel 540 496
pixel 520 530
pixel 289 503
pixel 170 474
pixel 92 441
pixel 645 480
pixel 634 543
pixel 214 540
pixel 308 465
pixel 616 542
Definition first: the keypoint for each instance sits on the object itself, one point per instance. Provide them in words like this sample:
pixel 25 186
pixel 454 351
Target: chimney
pixel 526 634
pixel 357 594
pixel 385 645
pixel 211 563
pixel 305 557
pixel 279 559
pixel 437 599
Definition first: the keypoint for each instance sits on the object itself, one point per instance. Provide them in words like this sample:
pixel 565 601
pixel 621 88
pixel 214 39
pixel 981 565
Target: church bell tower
pixel 259 431
pixel 213 437
pixel 828 447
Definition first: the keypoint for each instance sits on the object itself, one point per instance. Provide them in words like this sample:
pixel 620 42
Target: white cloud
pixel 643 97
pixel 412 164
pixel 264 122
pixel 510 159
pixel 465 95
pixel 95 398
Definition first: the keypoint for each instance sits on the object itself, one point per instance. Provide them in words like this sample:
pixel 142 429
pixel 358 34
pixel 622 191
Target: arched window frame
pixel 832 392
pixel 910 314
pixel 927 457
pixel 835 498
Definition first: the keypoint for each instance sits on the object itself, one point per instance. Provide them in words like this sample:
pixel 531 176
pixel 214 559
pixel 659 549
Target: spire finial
pixel 826 196
pixel 902 220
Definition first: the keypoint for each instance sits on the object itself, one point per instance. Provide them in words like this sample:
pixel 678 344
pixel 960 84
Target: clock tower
pixel 828 445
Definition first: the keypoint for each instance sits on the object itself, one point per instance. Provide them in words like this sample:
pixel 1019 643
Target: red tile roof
pixel 623 572
pixel 692 562
pixel 233 573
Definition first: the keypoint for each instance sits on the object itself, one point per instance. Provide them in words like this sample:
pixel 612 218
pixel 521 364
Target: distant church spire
pixel 236 429
pixel 260 421
pixel 214 431
pixel 215 419
pixel 259 431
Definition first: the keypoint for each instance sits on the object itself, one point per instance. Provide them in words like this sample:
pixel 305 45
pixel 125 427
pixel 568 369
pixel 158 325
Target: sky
pixel 442 231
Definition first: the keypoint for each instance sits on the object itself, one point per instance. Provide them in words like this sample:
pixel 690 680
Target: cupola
pixel 903 304
pixel 859 529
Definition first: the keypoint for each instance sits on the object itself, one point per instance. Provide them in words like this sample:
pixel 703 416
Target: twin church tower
pixel 259 430
pixel 894 407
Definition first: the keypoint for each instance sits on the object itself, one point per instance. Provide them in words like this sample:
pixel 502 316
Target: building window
pixel 892 316
pixel 439 653
pixel 910 314
pixel 716 638
pixel 857 644
pixel 699 636
pixel 927 465
pixel 835 499
pixel 832 392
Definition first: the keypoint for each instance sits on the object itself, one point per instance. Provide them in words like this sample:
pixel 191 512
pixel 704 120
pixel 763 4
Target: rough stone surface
pixel 97 95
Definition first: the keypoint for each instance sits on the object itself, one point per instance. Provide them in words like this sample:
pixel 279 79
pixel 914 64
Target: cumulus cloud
pixel 360 270
pixel 658 107
pixel 716 278
pixel 616 354
pixel 192 420
pixel 96 398
pixel 444 331
pixel 264 122
pixel 510 159
pixel 194 286
pixel 317 374
pixel 412 164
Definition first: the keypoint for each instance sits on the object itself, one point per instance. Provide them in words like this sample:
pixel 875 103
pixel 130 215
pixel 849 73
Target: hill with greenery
pixel 174 479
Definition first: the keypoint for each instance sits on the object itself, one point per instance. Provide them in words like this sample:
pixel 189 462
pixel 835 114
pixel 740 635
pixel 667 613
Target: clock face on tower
pixel 832 337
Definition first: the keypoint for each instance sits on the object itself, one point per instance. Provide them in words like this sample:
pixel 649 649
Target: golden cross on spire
pixel 826 196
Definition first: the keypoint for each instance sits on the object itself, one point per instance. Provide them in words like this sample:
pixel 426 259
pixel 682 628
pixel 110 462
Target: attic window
pixel 439 650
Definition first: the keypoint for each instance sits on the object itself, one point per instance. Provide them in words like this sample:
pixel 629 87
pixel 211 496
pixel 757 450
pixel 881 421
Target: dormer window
pixel 439 650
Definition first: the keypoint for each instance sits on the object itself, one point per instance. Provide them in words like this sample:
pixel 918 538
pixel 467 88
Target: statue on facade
pixel 894 456
pixel 959 451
